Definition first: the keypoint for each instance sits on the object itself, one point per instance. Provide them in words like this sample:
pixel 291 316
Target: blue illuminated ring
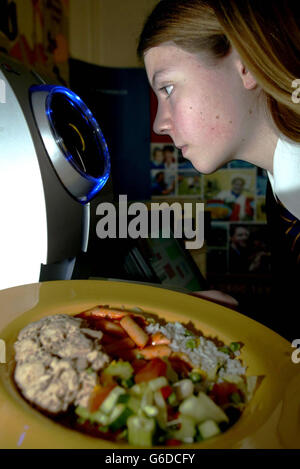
pixel 41 97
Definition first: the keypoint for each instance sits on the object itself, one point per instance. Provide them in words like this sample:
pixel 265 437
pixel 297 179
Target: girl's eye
pixel 168 89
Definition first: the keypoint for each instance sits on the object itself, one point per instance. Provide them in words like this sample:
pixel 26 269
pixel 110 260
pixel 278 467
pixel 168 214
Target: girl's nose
pixel 162 123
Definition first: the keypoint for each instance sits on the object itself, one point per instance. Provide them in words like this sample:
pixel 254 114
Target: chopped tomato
pixel 172 413
pixel 138 363
pixel 108 339
pixel 153 369
pixel 173 442
pixel 180 366
pixel 125 354
pixel 166 391
pixel 221 392
pixel 141 321
pixel 99 395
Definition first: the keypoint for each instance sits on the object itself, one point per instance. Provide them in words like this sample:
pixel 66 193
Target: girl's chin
pixel 206 169
pixel 206 165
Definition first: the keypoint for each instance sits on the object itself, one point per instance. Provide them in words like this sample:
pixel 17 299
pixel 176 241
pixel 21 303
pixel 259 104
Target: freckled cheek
pixel 219 118
pixel 211 128
pixel 200 123
pixel 220 130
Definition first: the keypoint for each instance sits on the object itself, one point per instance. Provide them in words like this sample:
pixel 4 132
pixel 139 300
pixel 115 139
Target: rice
pixel 202 352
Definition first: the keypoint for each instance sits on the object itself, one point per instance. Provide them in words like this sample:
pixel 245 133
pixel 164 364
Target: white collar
pixel 285 180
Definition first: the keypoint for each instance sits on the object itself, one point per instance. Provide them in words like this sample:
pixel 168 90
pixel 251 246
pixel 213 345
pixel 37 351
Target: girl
pixel 227 77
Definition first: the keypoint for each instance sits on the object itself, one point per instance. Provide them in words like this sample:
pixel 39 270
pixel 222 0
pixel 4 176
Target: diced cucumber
pixel 120 369
pixel 172 399
pixel 111 400
pixel 211 374
pixel 119 417
pixel 162 415
pixel 82 412
pixel 140 430
pixel 189 408
pixel 128 383
pixel 93 417
pixel 158 383
pixel 147 398
pixel 184 388
pixel 101 418
pixel 122 435
pixel 202 408
pixel 138 389
pixel 117 411
pixel 212 410
pixel 187 429
pixel 150 410
pixel 123 399
pixel 159 400
pixel 171 375
pixel 208 429
pixel 134 404
pixel 236 379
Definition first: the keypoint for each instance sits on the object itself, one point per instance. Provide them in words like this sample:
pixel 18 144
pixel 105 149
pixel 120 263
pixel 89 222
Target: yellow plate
pixel 271 420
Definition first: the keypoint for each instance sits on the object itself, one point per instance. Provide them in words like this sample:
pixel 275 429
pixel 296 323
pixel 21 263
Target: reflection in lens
pixel 76 136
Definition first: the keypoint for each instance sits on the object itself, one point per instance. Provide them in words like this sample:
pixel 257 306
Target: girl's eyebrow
pixel 156 74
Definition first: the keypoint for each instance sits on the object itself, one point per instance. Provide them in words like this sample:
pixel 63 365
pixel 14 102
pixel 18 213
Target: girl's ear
pixel 247 78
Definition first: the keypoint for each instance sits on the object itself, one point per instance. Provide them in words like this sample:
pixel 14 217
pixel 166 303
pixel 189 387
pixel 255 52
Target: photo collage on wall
pixel 235 197
pixel 171 174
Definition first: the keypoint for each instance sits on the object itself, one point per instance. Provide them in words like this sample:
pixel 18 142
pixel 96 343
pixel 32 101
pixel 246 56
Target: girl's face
pixel 207 111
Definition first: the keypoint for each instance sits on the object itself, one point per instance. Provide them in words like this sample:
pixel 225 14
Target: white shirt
pixel 285 180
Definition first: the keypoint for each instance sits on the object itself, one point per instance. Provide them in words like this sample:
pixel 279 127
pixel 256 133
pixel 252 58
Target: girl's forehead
pixel 165 58
pixel 161 47
pixel 167 50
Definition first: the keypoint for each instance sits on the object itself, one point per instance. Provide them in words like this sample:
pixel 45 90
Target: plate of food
pixel 101 364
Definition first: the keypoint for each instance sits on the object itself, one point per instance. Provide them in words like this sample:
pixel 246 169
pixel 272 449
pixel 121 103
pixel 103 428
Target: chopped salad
pixel 131 377
pixel 165 384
